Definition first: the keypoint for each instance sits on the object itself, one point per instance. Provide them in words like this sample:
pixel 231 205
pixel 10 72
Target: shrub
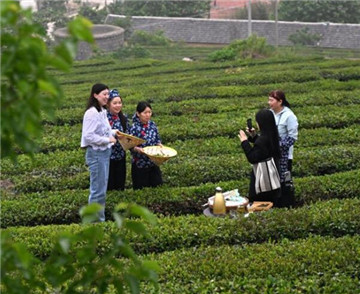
pixel 259 10
pixel 125 23
pixel 222 55
pixel 131 52
pixel 304 37
pixel 252 47
pixel 150 39
pixel 96 15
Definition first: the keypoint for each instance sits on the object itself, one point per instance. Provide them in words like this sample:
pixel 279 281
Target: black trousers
pixel 117 174
pixel 145 177
pixel 290 165
pixel 287 198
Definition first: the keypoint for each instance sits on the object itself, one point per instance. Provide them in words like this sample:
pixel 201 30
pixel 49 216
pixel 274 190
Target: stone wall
pixel 223 31
pixel 107 38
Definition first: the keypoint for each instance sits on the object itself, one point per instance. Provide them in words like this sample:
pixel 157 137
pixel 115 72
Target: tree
pixel 171 8
pixel 28 91
pixel 75 266
pixel 51 11
pixel 320 11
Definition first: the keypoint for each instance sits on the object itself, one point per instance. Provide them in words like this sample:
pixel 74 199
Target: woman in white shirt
pixel 97 137
pixel 287 125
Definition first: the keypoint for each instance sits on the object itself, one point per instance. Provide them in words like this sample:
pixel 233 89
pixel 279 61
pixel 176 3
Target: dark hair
pixel 122 118
pixel 112 94
pixel 279 95
pixel 142 106
pixel 96 89
pixel 266 121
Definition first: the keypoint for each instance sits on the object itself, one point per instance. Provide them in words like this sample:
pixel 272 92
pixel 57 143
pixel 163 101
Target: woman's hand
pixel 160 145
pixel 251 132
pixel 119 135
pixel 242 136
pixel 138 149
pixel 112 139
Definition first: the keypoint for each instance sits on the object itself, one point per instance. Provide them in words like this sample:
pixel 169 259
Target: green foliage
pixel 137 41
pixel 252 47
pixel 259 10
pixel 304 37
pixel 95 15
pixel 172 8
pixel 126 24
pixel 224 54
pixel 74 265
pixel 60 207
pixel 320 11
pixel 131 51
pixel 150 39
pixel 313 265
pixel 323 218
pixel 28 91
pixel 199 107
pixel 51 11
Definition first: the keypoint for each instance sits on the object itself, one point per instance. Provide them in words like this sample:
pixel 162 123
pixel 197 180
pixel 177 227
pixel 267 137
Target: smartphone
pixel 249 124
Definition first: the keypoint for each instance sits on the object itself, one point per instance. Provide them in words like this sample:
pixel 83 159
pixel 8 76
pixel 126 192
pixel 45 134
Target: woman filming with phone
pixel 287 125
pixel 266 145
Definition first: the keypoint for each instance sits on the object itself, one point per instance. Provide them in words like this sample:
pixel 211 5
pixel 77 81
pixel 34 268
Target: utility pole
pixel 249 18
pixel 276 24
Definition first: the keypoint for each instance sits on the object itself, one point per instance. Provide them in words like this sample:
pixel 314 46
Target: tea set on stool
pixel 233 204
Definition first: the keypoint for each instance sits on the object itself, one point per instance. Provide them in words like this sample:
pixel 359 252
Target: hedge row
pixel 206 125
pixel 315 265
pixel 68 137
pixel 270 77
pixel 155 75
pixel 62 207
pixel 128 70
pixel 333 218
pixel 210 105
pixel 67 170
pixel 322 93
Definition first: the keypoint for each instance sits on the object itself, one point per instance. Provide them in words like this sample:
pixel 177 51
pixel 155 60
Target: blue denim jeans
pixel 98 162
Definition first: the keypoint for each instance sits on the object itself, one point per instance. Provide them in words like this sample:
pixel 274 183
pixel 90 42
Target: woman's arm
pixel 253 154
pixel 292 132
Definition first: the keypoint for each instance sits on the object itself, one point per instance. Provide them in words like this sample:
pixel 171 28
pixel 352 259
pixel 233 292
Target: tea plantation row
pixel 199 108
pixel 327 218
pixel 61 207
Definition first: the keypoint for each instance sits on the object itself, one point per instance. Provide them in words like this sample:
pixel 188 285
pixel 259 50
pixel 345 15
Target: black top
pixel 260 151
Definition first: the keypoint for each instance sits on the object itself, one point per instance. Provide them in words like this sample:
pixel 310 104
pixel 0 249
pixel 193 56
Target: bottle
pixel 219 207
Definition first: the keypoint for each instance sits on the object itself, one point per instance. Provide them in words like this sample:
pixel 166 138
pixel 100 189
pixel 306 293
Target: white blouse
pixel 96 130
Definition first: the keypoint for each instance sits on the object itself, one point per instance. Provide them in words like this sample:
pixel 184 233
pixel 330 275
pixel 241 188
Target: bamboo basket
pixel 128 141
pixel 158 154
